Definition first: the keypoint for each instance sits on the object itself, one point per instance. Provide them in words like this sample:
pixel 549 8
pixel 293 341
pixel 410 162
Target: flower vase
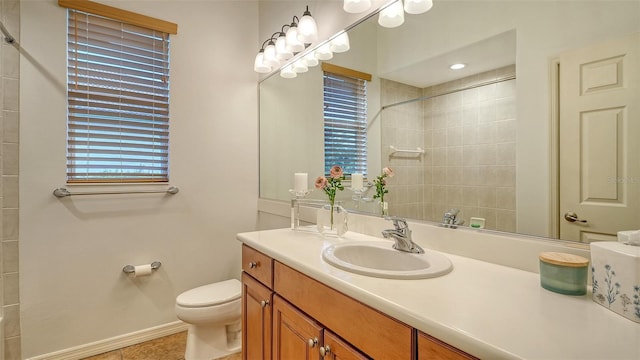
pixel 384 208
pixel 332 220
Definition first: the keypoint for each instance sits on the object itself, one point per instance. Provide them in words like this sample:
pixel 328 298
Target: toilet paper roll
pixel 141 270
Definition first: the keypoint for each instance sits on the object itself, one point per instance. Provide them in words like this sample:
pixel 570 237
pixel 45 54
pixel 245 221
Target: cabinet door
pixel 430 348
pixel 256 319
pixel 336 349
pixel 295 336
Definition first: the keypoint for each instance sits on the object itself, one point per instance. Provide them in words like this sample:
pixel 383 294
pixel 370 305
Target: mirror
pixel 491 150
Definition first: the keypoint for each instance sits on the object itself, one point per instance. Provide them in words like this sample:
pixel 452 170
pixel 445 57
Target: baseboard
pixel 114 343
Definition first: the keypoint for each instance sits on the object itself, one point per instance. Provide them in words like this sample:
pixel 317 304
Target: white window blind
pixel 118 101
pixel 345 123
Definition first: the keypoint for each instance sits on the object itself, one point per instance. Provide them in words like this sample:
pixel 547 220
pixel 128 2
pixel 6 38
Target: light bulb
pixel 417 6
pixel 340 43
pixel 307 28
pixel 293 44
pixel 300 67
pixel 356 6
pixel 287 72
pixel 259 65
pixel 270 55
pixel 310 60
pixel 392 16
pixel 324 52
pixel 282 53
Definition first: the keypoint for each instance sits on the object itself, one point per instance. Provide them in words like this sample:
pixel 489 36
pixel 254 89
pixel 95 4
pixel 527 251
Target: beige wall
pixel 72 250
pixel 9 118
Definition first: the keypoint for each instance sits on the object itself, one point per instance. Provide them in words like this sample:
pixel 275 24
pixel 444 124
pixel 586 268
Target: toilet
pixel 213 313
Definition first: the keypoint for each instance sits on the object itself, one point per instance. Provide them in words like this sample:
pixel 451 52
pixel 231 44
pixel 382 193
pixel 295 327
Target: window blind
pixel 345 123
pixel 118 101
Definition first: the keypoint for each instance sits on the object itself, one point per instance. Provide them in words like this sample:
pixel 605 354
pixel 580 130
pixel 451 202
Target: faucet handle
pixel 398 222
pixel 452 212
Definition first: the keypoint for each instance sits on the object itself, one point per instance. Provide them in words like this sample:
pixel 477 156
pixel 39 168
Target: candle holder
pixel 300 194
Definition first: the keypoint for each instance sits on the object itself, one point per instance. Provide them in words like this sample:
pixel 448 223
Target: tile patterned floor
pixel 166 348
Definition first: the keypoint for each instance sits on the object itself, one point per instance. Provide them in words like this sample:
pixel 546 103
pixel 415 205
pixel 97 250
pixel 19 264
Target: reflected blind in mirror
pixel 345 123
pixel 118 101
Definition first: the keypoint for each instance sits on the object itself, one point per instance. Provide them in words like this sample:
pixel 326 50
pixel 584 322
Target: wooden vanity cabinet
pixel 257 299
pixel 430 348
pixel 288 315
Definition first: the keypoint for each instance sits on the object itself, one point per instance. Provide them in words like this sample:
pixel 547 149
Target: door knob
pixel 572 217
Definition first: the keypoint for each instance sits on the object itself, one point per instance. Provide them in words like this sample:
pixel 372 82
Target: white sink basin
pixel 378 259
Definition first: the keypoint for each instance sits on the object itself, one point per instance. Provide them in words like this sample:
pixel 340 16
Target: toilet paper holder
pixel 130 269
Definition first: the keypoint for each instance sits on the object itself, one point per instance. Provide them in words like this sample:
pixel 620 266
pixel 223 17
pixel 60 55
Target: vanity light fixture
pixel 417 6
pixel 287 72
pixel 307 28
pixel 300 67
pixel 458 66
pixel 392 16
pixel 324 52
pixel 356 6
pixel 309 60
pixel 340 43
pixel 282 46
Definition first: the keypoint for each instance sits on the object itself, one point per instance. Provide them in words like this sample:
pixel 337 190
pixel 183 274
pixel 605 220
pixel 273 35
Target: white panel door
pixel 599 140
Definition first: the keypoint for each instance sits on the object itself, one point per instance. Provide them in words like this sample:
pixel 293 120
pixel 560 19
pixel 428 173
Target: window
pixel 118 99
pixel 345 119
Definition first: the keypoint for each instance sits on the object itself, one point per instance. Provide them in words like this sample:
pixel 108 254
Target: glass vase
pixel 332 220
pixel 384 208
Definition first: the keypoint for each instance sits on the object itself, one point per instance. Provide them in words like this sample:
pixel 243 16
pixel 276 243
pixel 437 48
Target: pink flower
pixel 321 182
pixel 336 172
pixel 388 171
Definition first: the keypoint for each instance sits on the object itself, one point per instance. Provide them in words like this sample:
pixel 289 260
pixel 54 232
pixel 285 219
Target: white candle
pixel 356 181
pixel 300 182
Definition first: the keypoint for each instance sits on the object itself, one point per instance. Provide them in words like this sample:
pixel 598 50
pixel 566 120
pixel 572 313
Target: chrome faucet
pixel 450 219
pixel 402 236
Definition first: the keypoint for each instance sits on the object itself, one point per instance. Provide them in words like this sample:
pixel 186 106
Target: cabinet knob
pixel 264 303
pixel 313 342
pixel 325 350
pixel 253 265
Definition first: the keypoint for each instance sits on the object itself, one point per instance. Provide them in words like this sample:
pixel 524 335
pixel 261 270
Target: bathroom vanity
pixel 295 305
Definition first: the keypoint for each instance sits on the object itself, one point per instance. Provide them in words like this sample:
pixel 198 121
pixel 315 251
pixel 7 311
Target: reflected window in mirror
pixel 345 119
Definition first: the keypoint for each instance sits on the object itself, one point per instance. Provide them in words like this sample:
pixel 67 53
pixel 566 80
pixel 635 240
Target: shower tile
pixel 454 117
pixel 506 176
pixel 10 191
pixel 469 96
pixel 487 92
pixel 440 195
pixel 11 292
pixel 505 131
pixel 10 256
pixel 470 196
pixel 12 348
pixel 10 159
pixel 470 155
pixel 506 220
pixel 454 156
pixel 470 175
pixel 505 109
pixel 10 127
pixel 11 320
pixel 506 198
pixel 487 133
pixel 487 197
pixel 506 89
pixel 10 94
pixel 469 135
pixel 454 175
pixel 454 196
pixel 487 175
pixel 454 136
pixel 487 154
pixel 439 156
pixel 10 224
pixel 486 112
pixel 506 154
pixel 439 138
pixel 489 216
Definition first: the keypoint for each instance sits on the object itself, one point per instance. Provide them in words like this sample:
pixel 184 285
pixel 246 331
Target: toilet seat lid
pixel 211 294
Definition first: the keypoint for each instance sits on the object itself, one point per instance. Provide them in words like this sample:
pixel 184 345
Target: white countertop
pixel 490 311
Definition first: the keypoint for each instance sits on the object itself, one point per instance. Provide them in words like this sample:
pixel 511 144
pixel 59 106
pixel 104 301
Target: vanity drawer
pixel 258 265
pixel 369 330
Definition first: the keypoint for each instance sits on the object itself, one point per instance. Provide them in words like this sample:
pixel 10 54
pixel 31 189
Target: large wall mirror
pixel 536 135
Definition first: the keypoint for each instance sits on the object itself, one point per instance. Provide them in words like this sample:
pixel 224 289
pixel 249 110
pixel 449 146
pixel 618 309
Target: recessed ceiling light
pixel 457 66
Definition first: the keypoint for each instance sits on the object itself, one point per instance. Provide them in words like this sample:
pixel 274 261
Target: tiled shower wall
pixel 469 139
pixel 10 73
